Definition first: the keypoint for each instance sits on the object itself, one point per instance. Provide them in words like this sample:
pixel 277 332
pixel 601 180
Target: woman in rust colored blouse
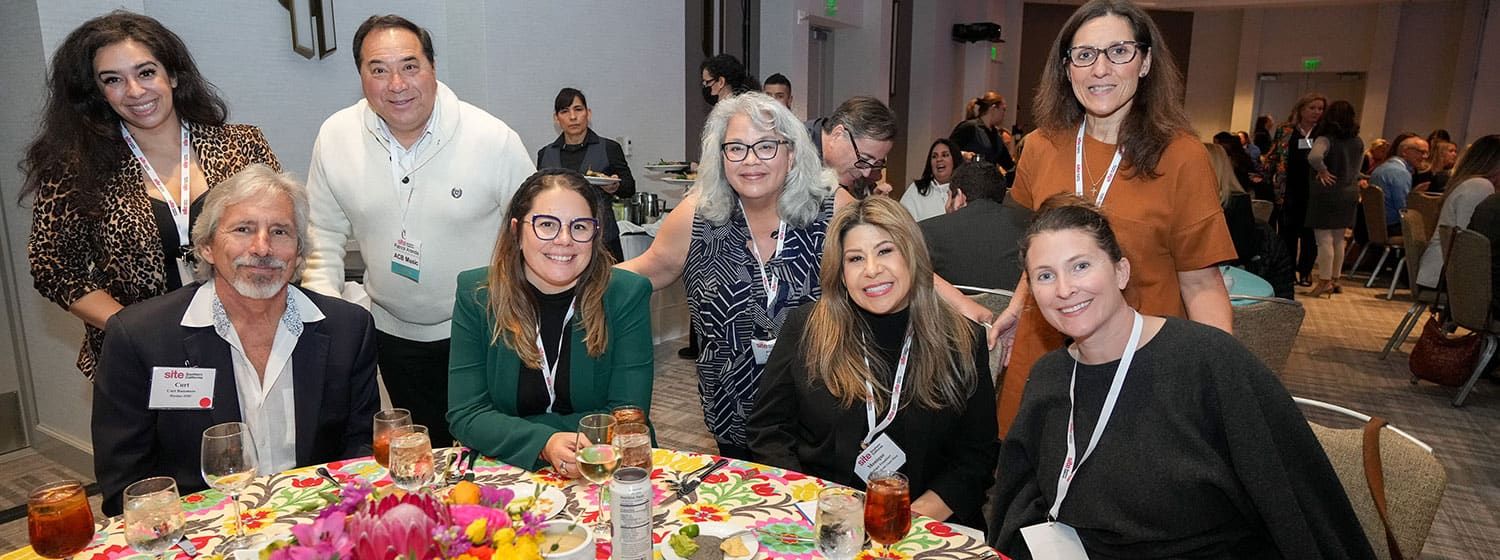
pixel 1111 129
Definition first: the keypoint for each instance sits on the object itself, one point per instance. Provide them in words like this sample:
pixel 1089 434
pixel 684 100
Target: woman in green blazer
pixel 548 332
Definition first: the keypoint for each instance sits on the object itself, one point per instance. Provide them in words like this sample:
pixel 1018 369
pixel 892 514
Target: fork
pixel 676 485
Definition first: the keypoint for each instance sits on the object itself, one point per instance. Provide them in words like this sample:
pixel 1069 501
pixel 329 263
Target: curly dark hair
pixel 733 71
pixel 1338 121
pixel 79 132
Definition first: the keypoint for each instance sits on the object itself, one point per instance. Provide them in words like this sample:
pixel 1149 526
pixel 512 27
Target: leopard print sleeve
pixel 61 247
pixel 254 145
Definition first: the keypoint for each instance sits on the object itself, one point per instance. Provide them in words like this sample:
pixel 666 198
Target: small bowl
pixel 584 550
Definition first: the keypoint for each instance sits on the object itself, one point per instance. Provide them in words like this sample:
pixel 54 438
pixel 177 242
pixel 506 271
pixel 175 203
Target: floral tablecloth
pixel 744 494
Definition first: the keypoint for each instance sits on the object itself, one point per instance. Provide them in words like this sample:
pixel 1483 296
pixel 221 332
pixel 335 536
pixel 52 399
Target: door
pixel 1276 94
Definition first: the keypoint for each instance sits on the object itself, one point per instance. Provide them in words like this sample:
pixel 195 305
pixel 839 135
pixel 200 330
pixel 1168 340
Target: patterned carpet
pixel 1335 359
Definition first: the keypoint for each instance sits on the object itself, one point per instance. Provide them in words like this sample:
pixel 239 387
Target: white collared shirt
pixel 403 159
pixel 266 406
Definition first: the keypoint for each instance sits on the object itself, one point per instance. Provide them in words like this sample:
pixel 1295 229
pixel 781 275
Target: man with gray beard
pixel 240 345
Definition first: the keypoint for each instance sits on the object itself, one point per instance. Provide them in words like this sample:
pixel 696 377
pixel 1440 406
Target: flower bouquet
pixel 481 525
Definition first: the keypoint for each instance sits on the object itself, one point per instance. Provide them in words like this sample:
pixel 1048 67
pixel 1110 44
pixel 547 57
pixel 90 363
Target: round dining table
pixel 749 495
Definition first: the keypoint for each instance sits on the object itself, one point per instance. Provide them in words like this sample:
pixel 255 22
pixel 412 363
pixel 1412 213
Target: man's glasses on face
pixel 546 228
pixel 862 161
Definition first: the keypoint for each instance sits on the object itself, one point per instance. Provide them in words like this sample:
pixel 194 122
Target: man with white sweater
pixel 419 181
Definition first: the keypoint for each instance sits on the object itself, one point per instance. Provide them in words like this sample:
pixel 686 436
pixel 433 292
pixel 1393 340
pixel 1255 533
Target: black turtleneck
pixel 531 390
pixel 889 332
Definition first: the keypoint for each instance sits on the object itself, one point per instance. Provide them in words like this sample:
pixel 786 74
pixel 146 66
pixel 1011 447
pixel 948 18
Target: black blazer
pixel 979 245
pixel 333 368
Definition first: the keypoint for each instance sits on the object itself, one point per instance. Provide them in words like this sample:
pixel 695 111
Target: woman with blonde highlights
pixel 845 353
pixel 548 332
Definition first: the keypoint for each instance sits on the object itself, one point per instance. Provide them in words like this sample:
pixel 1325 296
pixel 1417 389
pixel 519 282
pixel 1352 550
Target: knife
pixel 692 485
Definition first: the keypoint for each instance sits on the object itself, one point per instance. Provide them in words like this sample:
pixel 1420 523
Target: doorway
pixel 1277 93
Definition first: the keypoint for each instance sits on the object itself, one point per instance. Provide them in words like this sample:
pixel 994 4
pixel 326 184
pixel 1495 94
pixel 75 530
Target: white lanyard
pixel 1070 466
pixel 767 281
pixel 183 205
pixel 549 369
pixel 890 415
pixel 1109 176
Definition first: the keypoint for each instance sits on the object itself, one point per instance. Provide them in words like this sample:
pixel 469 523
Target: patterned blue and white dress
pixel 727 300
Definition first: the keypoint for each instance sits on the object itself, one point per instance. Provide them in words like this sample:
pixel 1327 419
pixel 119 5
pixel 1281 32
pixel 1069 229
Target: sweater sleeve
pixel 973 450
pixel 328 230
pixel 1316 158
pixel 62 249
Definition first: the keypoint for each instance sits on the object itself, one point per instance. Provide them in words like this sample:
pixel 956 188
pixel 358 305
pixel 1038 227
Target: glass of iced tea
pixel 628 414
pixel 634 442
pixel 385 422
pixel 58 519
pixel 887 507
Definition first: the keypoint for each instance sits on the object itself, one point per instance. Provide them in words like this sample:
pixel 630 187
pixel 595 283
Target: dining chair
pixel 1374 208
pixel 1262 210
pixel 1429 205
pixel 1422 297
pixel 1268 328
pixel 994 300
pixel 1414 479
pixel 1469 295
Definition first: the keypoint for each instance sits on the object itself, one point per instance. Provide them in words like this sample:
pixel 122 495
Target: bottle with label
pixel 630 513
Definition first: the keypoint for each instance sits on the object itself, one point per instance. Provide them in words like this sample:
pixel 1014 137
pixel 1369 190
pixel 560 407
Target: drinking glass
pixel 634 442
pixel 385 422
pixel 841 522
pixel 887 507
pixel 58 519
pixel 153 515
pixel 228 464
pixel 629 413
pixel 411 457
pixel 597 456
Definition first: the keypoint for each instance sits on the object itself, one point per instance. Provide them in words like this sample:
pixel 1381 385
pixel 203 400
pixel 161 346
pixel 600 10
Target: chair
pixel 996 301
pixel 1429 205
pixel 1374 206
pixel 1262 210
pixel 1422 297
pixel 1468 268
pixel 1268 328
pixel 1414 480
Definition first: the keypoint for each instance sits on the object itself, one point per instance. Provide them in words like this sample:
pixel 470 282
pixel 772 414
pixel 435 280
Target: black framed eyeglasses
pixel 764 150
pixel 1119 53
pixel 546 228
pixel 862 161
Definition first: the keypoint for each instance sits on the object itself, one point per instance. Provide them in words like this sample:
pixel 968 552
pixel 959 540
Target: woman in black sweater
pixel 839 358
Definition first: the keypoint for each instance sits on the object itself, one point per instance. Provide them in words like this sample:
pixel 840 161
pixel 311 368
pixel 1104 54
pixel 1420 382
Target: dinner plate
pixel 720 530
pixel 551 502
pixel 676 181
pixel 668 167
pixel 601 180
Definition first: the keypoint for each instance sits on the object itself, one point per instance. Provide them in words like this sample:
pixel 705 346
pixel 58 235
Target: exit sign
pixel 831 8
pixel 1311 64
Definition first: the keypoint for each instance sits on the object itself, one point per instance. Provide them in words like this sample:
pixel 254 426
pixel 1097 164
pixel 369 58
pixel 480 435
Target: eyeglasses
pixel 1119 53
pixel 546 228
pixel 862 161
pixel 764 150
pixel 708 81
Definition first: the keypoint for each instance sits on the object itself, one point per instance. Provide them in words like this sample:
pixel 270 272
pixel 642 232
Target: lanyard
pixel 769 282
pixel 1109 176
pixel 400 174
pixel 890 415
pixel 549 369
pixel 183 205
pixel 1070 466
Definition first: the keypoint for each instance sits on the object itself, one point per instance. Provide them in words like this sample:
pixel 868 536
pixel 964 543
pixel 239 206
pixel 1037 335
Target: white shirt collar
pixel 201 311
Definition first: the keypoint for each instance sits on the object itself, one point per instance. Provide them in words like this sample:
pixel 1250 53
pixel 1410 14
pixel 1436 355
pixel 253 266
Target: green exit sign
pixel 831 8
pixel 994 54
pixel 1311 64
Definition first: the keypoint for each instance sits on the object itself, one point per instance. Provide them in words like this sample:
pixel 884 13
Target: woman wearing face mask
pixel 548 333
pixel 881 360
pixel 131 138
pixel 926 196
pixel 1185 445
pixel 1293 180
pixel 580 149
pixel 724 77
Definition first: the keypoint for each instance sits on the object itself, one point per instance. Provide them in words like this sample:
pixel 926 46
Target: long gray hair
pixel 807 182
pixel 254 181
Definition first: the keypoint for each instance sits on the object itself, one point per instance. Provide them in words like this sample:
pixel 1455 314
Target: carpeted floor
pixel 1335 359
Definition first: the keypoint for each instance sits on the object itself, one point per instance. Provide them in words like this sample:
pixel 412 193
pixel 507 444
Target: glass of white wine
pixel 597 457
pixel 228 461
pixel 411 457
pixel 153 515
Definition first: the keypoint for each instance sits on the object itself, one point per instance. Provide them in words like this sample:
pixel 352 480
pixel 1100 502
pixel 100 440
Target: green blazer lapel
pixel 585 385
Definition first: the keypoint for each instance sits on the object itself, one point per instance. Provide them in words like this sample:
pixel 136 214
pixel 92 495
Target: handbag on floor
pixel 1443 358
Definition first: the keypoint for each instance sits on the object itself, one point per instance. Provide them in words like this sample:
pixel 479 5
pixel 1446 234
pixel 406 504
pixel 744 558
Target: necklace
pixel 1089 176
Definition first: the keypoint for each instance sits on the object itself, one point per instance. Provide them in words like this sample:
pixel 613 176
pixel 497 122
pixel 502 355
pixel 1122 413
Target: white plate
pixel 601 180
pixel 668 167
pixel 550 504
pixel 676 181
pixel 720 530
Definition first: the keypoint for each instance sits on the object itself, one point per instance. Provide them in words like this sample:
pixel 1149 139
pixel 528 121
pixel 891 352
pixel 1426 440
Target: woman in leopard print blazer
pixel 103 232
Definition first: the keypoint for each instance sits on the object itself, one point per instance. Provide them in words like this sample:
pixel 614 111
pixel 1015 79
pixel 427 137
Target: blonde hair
pixel 1229 184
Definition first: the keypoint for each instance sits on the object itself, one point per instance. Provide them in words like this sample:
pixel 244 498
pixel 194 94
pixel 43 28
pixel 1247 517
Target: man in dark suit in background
pixel 976 242
pixel 241 345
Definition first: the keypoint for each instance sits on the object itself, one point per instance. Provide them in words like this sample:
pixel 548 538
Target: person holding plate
pixel 866 376
pixel 580 149
pixel 548 333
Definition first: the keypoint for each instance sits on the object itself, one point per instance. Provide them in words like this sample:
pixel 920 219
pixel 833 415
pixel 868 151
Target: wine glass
pixel 153 515
pixel 59 522
pixel 597 456
pixel 633 440
pixel 385 422
pixel 229 463
pixel 887 507
pixel 411 457
pixel 841 522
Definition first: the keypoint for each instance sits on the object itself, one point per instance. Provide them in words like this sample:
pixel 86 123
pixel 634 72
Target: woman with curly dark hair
pixel 725 76
pixel 131 137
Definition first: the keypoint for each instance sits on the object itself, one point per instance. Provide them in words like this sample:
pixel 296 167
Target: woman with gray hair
pixel 746 241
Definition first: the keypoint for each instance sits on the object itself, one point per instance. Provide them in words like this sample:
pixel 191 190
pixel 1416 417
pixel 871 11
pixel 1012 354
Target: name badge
pixel 407 261
pixel 1053 541
pixel 882 455
pixel 762 350
pixel 1304 143
pixel 181 388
